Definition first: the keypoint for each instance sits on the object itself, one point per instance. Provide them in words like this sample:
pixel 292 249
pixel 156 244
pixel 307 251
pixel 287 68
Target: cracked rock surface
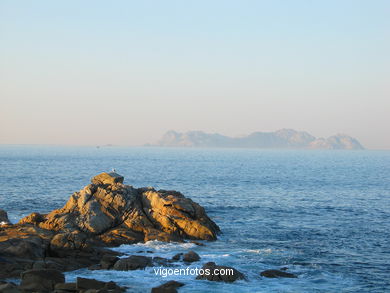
pixel 104 213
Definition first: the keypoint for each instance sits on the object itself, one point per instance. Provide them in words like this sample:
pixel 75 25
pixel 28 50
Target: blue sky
pixel 124 72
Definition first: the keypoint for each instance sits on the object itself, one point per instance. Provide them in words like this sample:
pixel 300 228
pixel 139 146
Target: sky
pixel 125 72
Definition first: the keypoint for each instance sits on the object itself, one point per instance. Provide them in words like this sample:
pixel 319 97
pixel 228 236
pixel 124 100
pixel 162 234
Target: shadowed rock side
pixel 104 213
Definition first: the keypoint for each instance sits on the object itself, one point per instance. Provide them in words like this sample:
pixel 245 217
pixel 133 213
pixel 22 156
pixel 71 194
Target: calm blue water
pixel 323 214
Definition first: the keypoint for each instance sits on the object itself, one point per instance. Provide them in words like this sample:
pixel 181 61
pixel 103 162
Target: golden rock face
pixel 107 178
pixel 110 213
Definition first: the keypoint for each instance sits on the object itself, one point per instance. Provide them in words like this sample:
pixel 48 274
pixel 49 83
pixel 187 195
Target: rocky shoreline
pixel 105 213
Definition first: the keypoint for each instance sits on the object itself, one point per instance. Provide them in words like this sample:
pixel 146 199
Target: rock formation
pixel 104 213
pixel 191 256
pixel 107 212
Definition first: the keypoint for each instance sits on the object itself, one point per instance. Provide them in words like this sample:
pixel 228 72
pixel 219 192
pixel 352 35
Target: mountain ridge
pixel 281 139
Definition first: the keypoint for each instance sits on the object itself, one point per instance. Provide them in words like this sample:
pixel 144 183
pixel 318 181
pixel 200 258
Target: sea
pixel 323 215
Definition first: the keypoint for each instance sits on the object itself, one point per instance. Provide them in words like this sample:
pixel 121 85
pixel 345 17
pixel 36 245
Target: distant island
pixel 280 139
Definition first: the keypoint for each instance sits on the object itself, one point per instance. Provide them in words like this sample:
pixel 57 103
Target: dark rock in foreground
pixel 177 256
pixel 210 273
pixel 108 261
pixel 41 280
pixel 134 262
pixel 92 284
pixel 34 281
pixel 8 288
pixel 277 274
pixel 168 287
pixel 4 218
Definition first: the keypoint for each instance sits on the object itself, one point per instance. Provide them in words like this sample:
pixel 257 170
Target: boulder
pixel 177 256
pixel 134 262
pixel 191 256
pixel 277 274
pixel 168 287
pixel 108 261
pixel 213 272
pixel 4 218
pixel 84 283
pixel 160 261
pixel 41 280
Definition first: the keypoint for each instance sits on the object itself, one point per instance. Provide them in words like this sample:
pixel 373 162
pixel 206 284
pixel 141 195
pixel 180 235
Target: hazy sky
pixel 124 72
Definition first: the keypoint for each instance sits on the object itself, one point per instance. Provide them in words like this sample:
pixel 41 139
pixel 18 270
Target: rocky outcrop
pixel 104 213
pixel 111 213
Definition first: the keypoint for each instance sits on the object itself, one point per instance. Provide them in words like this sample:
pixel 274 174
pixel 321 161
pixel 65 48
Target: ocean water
pixel 325 215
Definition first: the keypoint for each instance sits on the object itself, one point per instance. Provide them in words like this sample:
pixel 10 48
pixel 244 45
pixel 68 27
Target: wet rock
pixel 160 261
pixel 168 287
pixel 41 280
pixel 108 261
pixel 213 272
pixel 113 286
pixel 177 257
pixel 4 218
pixel 95 267
pixel 191 256
pixel 134 262
pixel 84 283
pixel 277 274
